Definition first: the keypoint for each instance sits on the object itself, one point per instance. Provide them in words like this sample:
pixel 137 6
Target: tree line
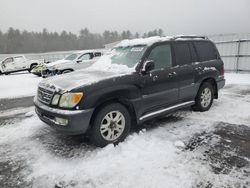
pixel 16 41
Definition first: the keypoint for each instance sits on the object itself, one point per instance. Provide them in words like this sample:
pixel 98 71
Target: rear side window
pixel 206 51
pixel 182 54
pixel 97 54
pixel 161 55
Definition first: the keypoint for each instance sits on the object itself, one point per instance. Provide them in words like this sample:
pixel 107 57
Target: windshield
pixel 72 56
pixel 128 56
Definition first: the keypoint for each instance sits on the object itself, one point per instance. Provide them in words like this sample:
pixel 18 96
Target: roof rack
pixel 189 37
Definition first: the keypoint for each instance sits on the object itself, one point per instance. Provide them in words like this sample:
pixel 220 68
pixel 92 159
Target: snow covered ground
pixel 18 85
pixel 180 150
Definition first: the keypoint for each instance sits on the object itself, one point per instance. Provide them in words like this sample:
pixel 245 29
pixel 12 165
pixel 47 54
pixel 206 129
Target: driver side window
pixel 161 55
pixel 85 57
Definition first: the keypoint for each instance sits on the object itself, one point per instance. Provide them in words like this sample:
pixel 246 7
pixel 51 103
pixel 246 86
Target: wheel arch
pixel 33 64
pixel 114 99
pixel 66 69
pixel 214 84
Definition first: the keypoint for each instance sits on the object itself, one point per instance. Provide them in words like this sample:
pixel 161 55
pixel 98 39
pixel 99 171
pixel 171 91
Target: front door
pixel 160 88
pixel 8 64
pixel 85 61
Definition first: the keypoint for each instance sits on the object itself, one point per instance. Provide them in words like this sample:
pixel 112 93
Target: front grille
pixel 45 94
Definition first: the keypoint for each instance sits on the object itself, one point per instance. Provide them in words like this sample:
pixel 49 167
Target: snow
pixel 179 144
pixel 142 41
pixel 18 85
pixel 154 157
pixel 237 78
pixel 104 64
pixel 150 40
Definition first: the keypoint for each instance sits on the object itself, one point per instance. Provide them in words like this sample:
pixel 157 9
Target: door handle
pixel 198 69
pixel 172 74
pixel 155 78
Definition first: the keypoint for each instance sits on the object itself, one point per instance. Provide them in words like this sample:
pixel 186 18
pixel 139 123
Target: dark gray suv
pixel 165 74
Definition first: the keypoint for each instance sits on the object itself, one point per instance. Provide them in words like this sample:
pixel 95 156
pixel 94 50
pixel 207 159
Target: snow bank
pixel 18 85
pixel 237 78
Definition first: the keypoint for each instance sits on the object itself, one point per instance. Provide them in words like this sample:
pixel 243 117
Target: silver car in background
pixel 75 61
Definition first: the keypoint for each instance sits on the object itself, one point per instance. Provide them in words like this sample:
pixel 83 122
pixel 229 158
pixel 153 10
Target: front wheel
pixel 111 125
pixel 204 98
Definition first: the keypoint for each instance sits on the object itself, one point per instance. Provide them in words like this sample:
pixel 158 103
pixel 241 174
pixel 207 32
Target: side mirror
pixel 78 61
pixel 148 66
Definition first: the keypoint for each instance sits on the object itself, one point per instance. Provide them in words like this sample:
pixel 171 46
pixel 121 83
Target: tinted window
pixel 205 50
pixel 161 55
pixel 97 54
pixel 193 53
pixel 72 56
pixel 182 54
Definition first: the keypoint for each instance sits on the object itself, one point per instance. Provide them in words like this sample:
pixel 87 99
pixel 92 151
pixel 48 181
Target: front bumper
pixel 78 120
pixel 48 72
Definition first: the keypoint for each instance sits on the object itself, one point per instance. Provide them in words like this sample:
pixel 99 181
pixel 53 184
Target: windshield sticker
pixel 136 49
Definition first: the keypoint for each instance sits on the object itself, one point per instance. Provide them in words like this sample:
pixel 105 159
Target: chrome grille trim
pixel 45 95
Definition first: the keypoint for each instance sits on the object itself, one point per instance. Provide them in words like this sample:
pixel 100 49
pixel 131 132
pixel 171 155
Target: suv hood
pixel 59 62
pixel 69 81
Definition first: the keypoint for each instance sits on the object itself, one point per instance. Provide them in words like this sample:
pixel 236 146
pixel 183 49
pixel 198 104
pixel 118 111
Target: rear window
pixel 182 54
pixel 206 51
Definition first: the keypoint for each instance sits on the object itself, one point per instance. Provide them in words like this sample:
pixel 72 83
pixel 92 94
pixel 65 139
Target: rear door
pixel 184 56
pixel 160 87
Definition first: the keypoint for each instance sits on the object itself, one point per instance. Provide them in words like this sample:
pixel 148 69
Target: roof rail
pixel 189 37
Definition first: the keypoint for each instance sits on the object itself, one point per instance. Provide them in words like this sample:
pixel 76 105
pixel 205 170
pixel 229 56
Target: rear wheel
pixel 111 125
pixel 204 98
pixel 31 67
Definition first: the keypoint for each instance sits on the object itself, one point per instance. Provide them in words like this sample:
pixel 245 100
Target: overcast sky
pixel 173 16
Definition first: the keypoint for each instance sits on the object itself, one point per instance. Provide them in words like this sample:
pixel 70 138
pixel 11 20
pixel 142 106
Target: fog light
pixel 61 121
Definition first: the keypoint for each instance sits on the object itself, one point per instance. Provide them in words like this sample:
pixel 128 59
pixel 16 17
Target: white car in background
pixel 75 61
pixel 18 63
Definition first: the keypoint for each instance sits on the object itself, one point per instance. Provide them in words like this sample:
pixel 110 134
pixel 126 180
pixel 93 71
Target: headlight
pixel 55 99
pixel 69 100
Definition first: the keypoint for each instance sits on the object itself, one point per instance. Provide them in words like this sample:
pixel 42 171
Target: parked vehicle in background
pixel 138 80
pixel 37 70
pixel 18 63
pixel 75 61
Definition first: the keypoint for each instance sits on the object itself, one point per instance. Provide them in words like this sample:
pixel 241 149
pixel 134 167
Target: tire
pixel 31 67
pixel 112 131
pixel 204 98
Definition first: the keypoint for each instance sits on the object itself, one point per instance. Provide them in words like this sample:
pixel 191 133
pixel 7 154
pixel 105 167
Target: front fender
pixel 130 93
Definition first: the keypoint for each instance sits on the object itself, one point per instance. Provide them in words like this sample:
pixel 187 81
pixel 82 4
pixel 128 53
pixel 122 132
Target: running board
pixel 166 109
